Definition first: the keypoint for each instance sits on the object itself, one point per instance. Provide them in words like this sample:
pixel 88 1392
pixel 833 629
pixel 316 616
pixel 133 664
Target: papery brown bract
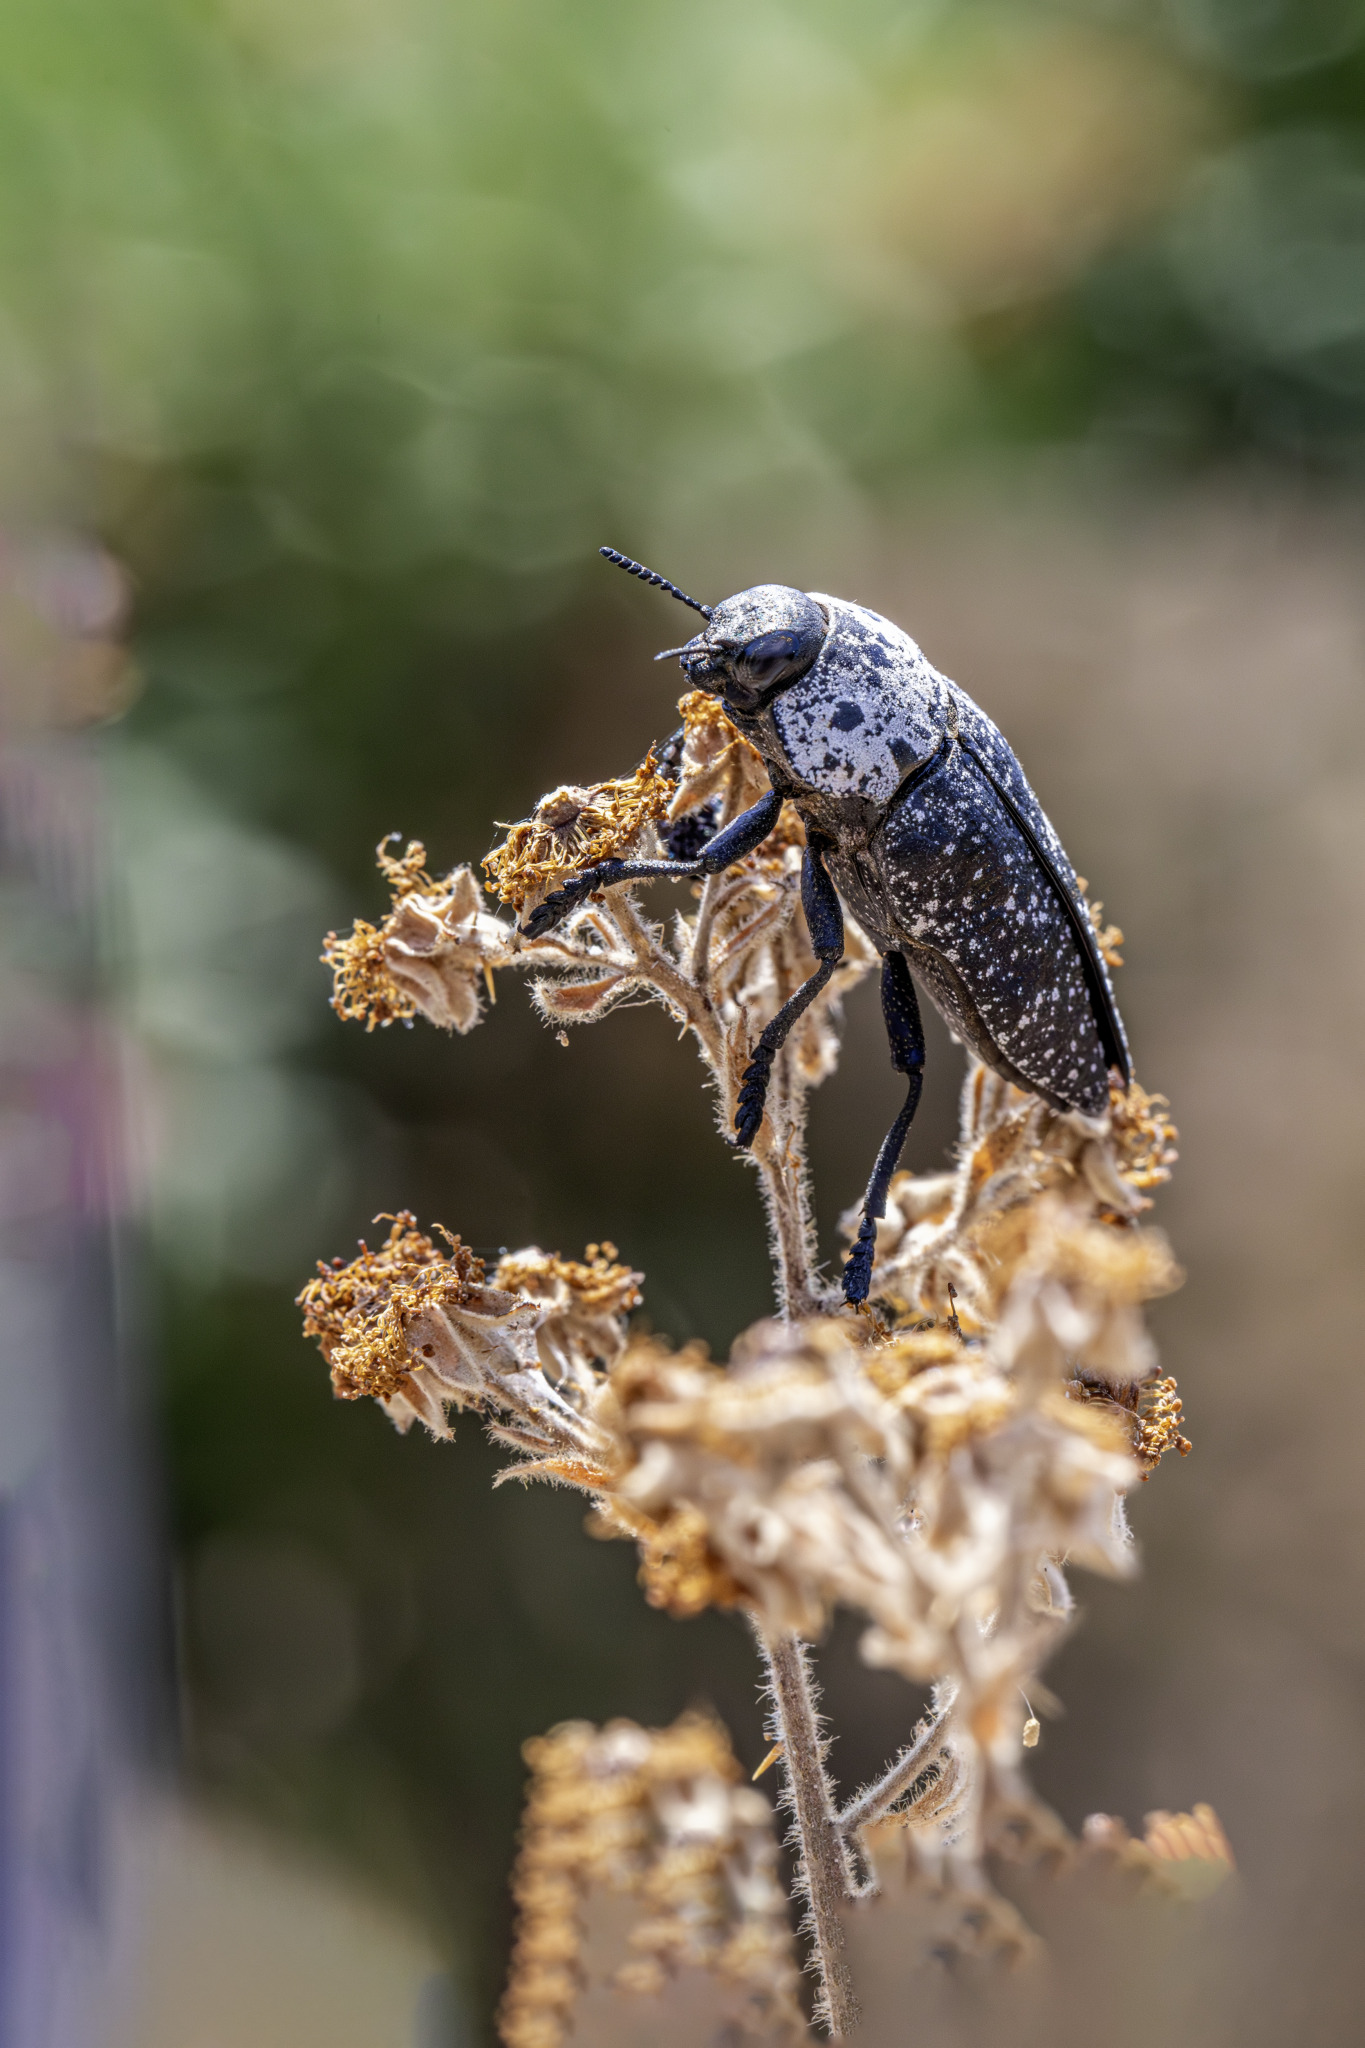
pixel 718 765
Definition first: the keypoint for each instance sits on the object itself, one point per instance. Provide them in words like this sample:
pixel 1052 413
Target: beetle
pixel 919 816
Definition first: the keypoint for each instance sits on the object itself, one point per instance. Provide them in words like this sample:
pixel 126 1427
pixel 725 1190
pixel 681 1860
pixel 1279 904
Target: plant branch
pixel 699 965
pixel 824 1874
pixel 686 1001
pixel 779 1153
pixel 879 1797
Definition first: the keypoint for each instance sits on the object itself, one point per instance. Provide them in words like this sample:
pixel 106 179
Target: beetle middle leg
pixel 825 923
pixel 900 1008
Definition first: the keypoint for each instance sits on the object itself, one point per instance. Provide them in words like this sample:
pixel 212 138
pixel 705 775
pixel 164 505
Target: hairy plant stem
pixel 682 997
pixel 779 1150
pixel 879 1797
pixel 779 1154
pixel 824 1874
pixel 699 964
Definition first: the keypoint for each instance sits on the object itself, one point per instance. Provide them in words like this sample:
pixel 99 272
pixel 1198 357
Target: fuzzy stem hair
pixel 899 1776
pixel 824 1879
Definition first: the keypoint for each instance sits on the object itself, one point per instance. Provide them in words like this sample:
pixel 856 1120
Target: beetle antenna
pixel 650 576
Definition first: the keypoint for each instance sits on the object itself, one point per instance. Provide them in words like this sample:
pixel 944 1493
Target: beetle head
pixel 754 644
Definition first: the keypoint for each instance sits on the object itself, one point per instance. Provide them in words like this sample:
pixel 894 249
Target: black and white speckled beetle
pixel 918 815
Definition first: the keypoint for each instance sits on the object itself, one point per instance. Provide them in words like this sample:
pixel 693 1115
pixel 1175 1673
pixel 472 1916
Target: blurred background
pixel 335 335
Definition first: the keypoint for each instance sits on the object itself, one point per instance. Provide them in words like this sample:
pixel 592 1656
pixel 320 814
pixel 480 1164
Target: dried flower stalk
pixel 937 1468
pixel 824 1874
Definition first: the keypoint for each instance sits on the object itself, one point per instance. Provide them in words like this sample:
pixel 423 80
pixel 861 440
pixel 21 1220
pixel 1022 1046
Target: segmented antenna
pixel 649 576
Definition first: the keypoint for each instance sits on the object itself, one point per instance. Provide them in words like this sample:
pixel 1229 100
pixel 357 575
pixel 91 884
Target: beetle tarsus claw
pixel 858 1265
pixel 546 915
pixel 753 1092
pixel 747 1125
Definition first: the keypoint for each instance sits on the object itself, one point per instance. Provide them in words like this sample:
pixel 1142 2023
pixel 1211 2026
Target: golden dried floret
pixel 597 1282
pixel 406 872
pixel 950 1405
pixel 1143 1135
pixel 679 1570
pixel 1123 1265
pixel 574 828
pixel 363 989
pixel 582 1304
pixel 1108 937
pixel 1160 1414
pixel 359 1311
pixel 892 1365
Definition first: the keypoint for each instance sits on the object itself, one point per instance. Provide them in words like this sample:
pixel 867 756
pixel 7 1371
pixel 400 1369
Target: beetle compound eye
pixel 766 660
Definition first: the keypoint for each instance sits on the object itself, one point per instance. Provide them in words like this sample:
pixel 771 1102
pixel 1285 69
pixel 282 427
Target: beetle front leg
pixel 825 923
pixel 900 1008
pixel 746 832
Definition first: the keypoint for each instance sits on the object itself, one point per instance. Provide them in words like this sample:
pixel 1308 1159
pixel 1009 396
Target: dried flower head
pixel 1143 1136
pixel 680 1569
pixel 584 1303
pixel 435 951
pixel 596 1283
pixel 574 828
pixel 645 1859
pixel 1024 1169
pixel 359 1312
pixel 421 1330
pixel 363 989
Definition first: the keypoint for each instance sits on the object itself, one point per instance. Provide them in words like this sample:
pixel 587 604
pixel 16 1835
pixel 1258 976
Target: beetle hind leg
pixel 900 1008
pixel 825 923
pixel 753 1089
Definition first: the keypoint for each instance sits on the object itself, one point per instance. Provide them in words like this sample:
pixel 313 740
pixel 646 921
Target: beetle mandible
pixel 919 816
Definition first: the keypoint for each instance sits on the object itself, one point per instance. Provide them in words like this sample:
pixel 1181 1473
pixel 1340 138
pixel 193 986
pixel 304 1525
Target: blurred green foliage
pixel 352 327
